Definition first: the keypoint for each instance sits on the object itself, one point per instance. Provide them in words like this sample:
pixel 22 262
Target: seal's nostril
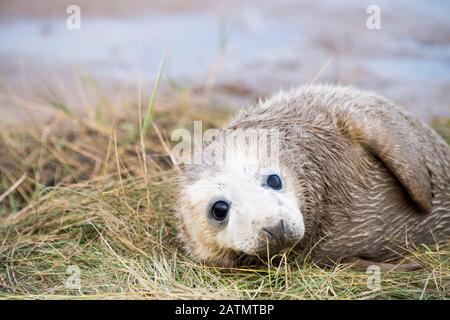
pixel 268 233
pixel 275 237
pixel 276 232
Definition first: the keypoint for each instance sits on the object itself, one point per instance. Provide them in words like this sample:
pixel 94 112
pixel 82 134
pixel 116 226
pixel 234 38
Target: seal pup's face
pixel 243 206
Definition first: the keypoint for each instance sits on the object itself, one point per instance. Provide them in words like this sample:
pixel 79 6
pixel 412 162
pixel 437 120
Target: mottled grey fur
pixel 371 179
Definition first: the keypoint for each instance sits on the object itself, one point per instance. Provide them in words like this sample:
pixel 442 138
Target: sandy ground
pixel 239 50
pixel 50 9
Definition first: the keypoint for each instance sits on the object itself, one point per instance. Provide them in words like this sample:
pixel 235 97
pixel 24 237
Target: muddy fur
pixel 370 179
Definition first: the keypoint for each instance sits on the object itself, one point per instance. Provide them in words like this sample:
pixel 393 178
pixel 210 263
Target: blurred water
pixel 110 46
pixel 263 47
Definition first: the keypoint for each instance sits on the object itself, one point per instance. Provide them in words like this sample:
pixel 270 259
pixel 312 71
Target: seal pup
pixel 358 179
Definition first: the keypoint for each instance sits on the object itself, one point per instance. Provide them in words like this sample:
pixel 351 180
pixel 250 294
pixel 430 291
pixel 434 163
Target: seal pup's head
pixel 244 205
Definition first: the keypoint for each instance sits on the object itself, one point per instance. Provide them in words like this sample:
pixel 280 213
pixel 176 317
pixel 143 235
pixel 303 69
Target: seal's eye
pixel 274 182
pixel 220 210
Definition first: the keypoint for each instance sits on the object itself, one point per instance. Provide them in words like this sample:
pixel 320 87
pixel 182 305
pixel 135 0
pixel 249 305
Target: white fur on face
pixel 253 205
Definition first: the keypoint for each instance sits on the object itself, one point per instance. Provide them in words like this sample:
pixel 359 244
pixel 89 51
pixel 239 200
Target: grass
pixel 76 191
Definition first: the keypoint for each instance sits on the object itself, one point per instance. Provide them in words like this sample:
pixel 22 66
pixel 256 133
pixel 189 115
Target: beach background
pixel 235 50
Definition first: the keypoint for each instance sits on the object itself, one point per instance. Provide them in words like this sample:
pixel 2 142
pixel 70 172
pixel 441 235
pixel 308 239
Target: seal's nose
pixel 276 235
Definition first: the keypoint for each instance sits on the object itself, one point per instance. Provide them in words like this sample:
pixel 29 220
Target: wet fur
pixel 370 179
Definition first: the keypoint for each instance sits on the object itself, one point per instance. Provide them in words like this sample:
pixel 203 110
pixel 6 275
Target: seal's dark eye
pixel 220 210
pixel 274 182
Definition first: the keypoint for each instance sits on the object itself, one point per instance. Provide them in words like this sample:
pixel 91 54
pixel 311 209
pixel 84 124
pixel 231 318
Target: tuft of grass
pixel 151 104
pixel 442 126
pixel 74 191
pixel 125 247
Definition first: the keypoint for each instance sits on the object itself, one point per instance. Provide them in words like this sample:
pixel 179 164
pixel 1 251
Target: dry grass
pixel 77 191
pixel 442 126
